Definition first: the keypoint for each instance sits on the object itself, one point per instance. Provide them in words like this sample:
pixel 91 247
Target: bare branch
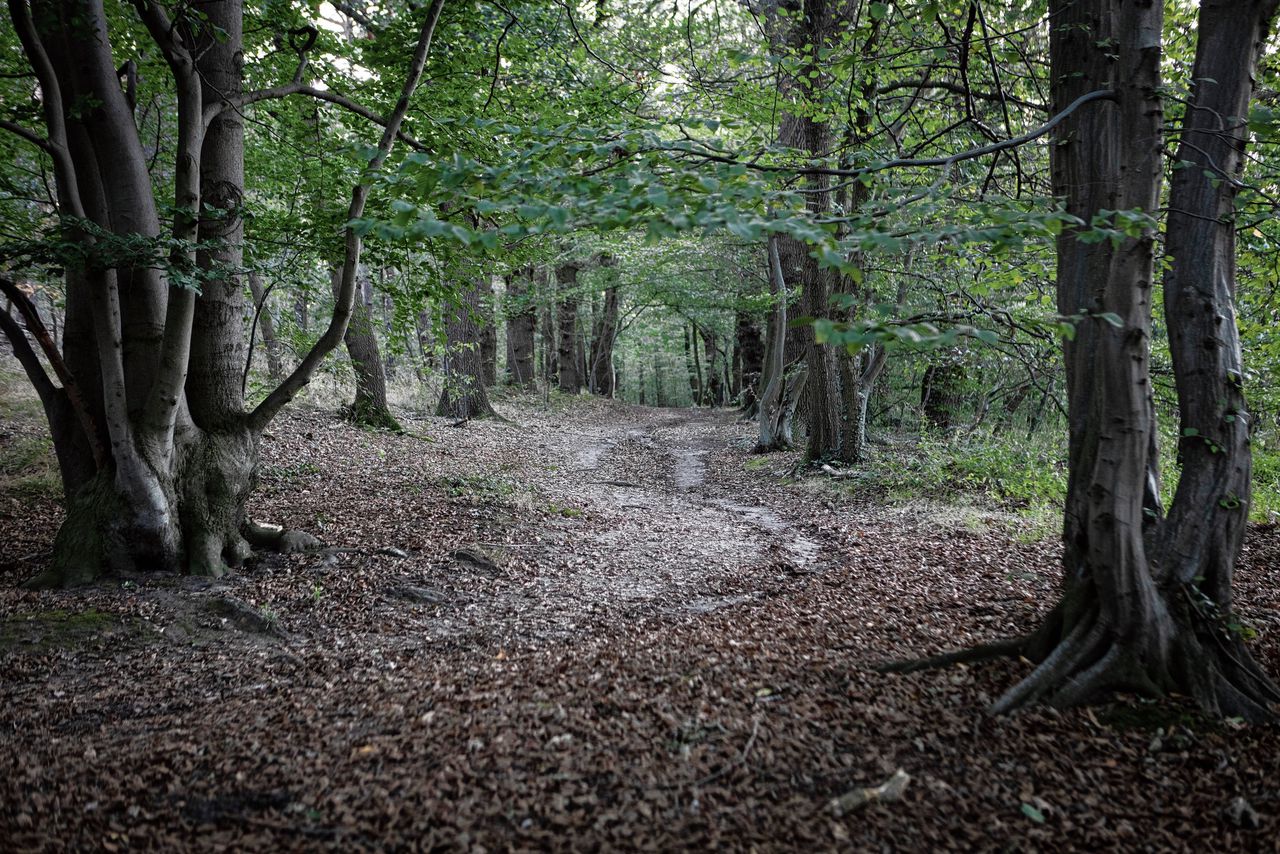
pixel 40 332
pixel 30 136
pixel 297 87
pixel 911 162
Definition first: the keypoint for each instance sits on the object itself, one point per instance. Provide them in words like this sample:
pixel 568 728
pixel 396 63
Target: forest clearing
pixel 640 424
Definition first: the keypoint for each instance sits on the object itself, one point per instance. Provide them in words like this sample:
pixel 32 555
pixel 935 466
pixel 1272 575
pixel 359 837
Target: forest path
pixel 640 520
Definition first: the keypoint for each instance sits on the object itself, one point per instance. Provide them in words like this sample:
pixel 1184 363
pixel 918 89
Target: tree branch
pixel 297 87
pixel 30 136
pixel 51 98
pixel 911 162
pixel 40 332
pixel 285 392
pixel 29 360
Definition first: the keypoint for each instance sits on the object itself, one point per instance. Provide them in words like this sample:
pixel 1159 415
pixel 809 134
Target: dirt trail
pixel 641 527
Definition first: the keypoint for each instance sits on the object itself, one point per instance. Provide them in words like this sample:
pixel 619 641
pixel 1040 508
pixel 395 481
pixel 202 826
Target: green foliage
pixel 1008 470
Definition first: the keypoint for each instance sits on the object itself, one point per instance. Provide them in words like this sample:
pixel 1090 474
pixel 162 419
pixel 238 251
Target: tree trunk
pixel 464 395
pixel 569 379
pixel 1137 612
pixel 156 387
pixel 781 391
pixel 606 333
pixel 714 385
pixel 692 366
pixel 370 405
pixel 522 319
pixel 1200 540
pixel 488 332
pixel 940 394
pixel 270 343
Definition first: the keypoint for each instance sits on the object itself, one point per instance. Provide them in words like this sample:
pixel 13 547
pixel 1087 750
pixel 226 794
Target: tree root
pixel 277 539
pixel 371 415
pixel 983 652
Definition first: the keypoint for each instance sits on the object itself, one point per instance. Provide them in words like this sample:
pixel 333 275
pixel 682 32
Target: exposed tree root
pixel 277 539
pixel 983 652
pixel 368 414
pixel 1185 652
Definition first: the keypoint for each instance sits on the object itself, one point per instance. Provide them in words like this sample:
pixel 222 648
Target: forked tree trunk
pixel 155 372
pixel 781 390
pixel 1147 606
pixel 464 395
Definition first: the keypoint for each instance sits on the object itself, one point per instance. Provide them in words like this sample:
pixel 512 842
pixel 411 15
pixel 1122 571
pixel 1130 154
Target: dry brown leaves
pixel 585 630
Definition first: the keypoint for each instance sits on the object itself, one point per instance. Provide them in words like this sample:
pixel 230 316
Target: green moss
pixel 41 631
pixel 755 463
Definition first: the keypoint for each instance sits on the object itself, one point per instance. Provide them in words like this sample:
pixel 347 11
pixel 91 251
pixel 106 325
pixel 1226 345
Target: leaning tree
pixel 156 446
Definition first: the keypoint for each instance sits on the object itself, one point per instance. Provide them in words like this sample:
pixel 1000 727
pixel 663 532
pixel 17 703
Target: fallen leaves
pixel 682 661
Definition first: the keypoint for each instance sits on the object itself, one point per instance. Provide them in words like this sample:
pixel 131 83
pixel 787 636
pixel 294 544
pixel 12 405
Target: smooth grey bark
pixel 781 388
pixel 179 451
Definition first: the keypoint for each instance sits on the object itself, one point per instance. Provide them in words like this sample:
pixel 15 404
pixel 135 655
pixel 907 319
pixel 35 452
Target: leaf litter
pixel 593 628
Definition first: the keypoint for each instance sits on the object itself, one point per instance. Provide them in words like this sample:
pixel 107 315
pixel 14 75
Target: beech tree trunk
pixel 781 388
pixel 464 395
pixel 522 319
pixel 488 333
pixel 569 380
pixel 940 394
pixel 157 452
pixel 748 364
pixel 370 405
pixel 1146 606
pixel 606 333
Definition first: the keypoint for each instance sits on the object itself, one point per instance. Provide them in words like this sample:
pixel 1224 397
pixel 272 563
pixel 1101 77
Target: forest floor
pixel 591 626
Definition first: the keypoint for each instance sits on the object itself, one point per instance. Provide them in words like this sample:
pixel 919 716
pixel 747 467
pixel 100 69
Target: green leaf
pixel 1033 813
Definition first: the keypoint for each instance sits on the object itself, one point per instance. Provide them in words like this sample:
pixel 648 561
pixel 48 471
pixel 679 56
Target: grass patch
pixel 477 487
pixel 29 469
